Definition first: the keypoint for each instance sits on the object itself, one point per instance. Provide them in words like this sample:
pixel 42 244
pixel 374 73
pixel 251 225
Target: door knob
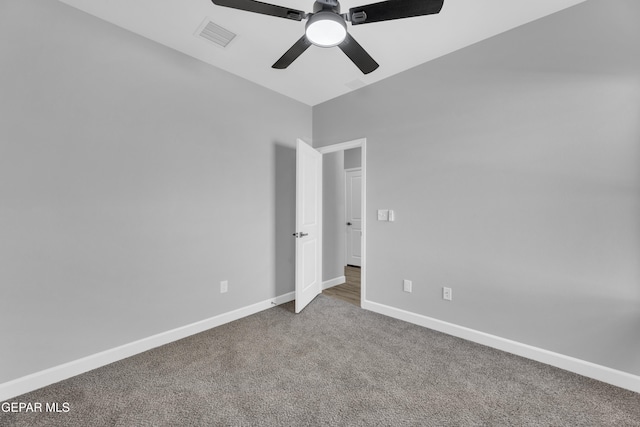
pixel 348 223
pixel 300 235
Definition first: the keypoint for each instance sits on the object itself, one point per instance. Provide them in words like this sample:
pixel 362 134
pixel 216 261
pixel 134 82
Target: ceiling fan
pixel 326 27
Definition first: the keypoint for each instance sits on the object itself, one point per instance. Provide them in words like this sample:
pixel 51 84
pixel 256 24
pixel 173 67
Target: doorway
pixel 350 286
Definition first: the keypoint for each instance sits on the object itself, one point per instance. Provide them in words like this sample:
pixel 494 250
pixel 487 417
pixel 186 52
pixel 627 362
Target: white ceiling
pixel 319 74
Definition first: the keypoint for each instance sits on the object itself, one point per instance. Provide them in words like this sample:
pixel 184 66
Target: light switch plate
pixel 383 214
pixel 407 285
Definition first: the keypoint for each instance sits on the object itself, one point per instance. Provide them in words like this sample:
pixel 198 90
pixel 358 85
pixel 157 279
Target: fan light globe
pixel 326 29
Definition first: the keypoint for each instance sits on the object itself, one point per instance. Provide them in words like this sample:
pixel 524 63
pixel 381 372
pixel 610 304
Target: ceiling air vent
pixel 215 33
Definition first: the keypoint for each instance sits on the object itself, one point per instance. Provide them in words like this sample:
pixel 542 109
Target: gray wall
pixel 513 167
pixel 353 158
pixel 333 221
pixel 130 186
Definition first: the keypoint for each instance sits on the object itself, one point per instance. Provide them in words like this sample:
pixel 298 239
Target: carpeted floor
pixel 333 364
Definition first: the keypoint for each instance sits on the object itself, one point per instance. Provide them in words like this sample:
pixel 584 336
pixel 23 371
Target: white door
pixel 308 224
pixel 353 203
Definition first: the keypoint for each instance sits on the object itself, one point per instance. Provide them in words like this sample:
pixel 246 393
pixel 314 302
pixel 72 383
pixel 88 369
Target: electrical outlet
pixel 224 286
pixel 407 285
pixel 447 294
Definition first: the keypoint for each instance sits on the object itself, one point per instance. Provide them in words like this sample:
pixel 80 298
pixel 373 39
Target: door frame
pixel 362 143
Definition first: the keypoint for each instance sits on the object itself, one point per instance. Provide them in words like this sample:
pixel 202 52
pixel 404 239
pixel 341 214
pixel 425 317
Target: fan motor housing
pixel 329 5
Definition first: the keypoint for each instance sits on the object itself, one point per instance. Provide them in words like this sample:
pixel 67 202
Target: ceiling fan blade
pixel 393 9
pixel 263 8
pixel 358 55
pixel 292 54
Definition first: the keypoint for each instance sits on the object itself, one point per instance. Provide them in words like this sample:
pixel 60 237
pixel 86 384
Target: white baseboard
pixel 58 373
pixel 333 282
pixel 598 372
pixel 62 372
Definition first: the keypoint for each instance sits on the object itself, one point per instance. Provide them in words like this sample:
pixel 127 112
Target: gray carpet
pixel 333 364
